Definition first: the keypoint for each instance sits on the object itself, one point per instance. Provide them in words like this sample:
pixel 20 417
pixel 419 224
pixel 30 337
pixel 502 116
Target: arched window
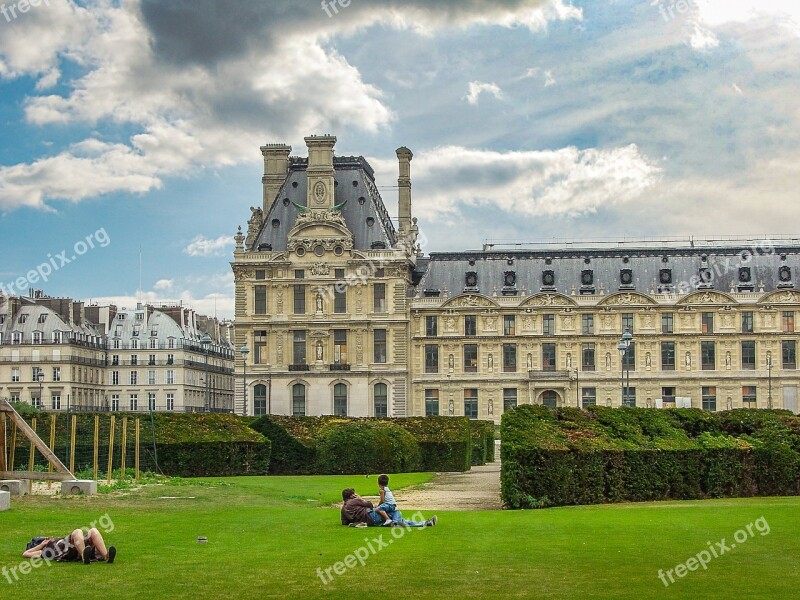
pixel 260 400
pixel 550 398
pixel 381 398
pixel 340 400
pixel 298 400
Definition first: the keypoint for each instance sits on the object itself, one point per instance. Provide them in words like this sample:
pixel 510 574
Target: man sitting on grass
pixel 357 512
pixel 73 548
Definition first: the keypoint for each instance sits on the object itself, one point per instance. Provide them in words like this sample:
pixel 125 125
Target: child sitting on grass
pixel 387 504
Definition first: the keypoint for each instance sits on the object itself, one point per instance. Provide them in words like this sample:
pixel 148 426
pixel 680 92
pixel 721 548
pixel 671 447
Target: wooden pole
pixel 38 443
pixel 136 450
pixel 111 450
pixel 52 442
pixel 74 426
pixel 33 446
pixel 13 448
pixel 124 445
pixel 96 442
pixel 3 442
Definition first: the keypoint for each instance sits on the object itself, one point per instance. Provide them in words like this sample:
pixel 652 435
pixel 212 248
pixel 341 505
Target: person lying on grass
pixel 357 512
pixel 72 548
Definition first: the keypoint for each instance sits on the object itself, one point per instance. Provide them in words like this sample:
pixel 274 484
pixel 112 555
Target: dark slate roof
pixel 448 270
pixel 364 211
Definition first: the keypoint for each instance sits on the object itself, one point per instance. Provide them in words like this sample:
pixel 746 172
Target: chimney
pixel 404 156
pixel 320 172
pixel 276 166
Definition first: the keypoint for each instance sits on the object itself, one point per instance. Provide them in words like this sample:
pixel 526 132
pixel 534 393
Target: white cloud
pixel 202 246
pixel 163 284
pixel 476 88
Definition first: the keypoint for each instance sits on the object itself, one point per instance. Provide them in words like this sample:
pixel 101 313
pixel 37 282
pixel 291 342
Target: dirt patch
pixel 477 489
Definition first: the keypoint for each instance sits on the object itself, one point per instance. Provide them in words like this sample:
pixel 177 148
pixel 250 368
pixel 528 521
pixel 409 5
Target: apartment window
pixel 748 355
pixel 709 398
pixel 134 377
pixel 509 325
pixel 381 399
pixel 37 337
pixel 668 323
pixel 470 325
pixel 15 374
pixel 431 358
pixel 261 274
pixel 628 396
pixel 471 403
pixel 470 358
pixel 379 297
pixel 627 322
pixel 668 396
pixel 151 378
pixel 170 359
pixel 588 397
pixel 135 344
pixel 379 346
pixel 170 401
pixel 509 358
pixel 134 359
pixel 789 352
pixel 340 400
pixel 298 400
pixel 134 402
pixel 299 347
pixel 431 326
pixel 587 324
pixel 116 344
pixel 299 299
pixel 16 338
pixel 55 402
pixel 299 274
pixel 170 377
pixel 747 321
pixel 36 401
pixel 707 322
pixel 170 343
pixel 509 398
pixel 787 320
pixel 708 356
pixel 115 402
pixel 667 356
pixel 548 324
pixel 548 357
pixel 260 301
pixel 151 401
pixel 431 403
pixel 588 357
pixel 151 359
pixel 340 294
pixel 550 399
pixel 56 337
pixel 340 346
pixel 260 347
pixel 629 358
pixel 114 377
pixel 749 396
pixel 23 318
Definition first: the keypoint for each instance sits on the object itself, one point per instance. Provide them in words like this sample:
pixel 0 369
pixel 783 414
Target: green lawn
pixel 268 536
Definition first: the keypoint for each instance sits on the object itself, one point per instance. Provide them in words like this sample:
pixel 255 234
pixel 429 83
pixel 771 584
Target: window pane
pixel 587 324
pixel 588 357
pixel 299 347
pixel 431 326
pixel 298 400
pixel 708 356
pixel 299 299
pixel 509 325
pixel 470 325
pixel 548 324
pixel 509 358
pixel 260 299
pixel 431 403
pixel 340 400
pixel 548 357
pixel 470 358
pixel 667 323
pixel 471 403
pixel 748 355
pixel 588 397
pixel 509 398
pixel 431 358
pixel 380 345
pixel 381 400
pixel 379 297
pixel 788 348
pixel 709 398
pixel 667 356
pixel 747 322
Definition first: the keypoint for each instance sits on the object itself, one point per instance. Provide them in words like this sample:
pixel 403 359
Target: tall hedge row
pixel 555 457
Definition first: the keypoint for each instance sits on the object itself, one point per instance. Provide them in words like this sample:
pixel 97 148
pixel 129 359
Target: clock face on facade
pixel 319 193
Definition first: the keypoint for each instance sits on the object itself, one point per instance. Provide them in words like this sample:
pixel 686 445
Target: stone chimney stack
pixel 404 156
pixel 276 167
pixel 320 172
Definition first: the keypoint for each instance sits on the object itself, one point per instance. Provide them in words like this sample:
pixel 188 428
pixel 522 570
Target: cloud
pixel 163 284
pixel 476 88
pixel 202 246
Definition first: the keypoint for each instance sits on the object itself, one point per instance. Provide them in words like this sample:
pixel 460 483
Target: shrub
pixel 362 446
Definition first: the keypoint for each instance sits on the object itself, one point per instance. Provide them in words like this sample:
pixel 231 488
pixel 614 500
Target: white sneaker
pixel 387 522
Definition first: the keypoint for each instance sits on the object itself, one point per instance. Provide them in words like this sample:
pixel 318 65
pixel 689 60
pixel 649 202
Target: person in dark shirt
pixel 77 546
pixel 356 510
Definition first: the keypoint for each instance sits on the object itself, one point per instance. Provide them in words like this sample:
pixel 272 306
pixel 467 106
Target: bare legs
pixel 94 538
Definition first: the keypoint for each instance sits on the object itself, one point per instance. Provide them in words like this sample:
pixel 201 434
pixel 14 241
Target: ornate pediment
pixel 628 299
pixel 470 301
pixel 781 297
pixel 708 297
pixel 549 300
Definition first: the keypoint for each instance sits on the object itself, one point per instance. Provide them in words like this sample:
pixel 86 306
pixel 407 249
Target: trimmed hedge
pixel 482 434
pixel 442 444
pixel 367 447
pixel 555 457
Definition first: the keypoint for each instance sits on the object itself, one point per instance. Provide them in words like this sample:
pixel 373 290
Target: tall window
pixel 114 377
pixel 115 402
pixel 629 396
pixel 749 396
pixel 260 300
pixel 340 400
pixel 134 402
pixel 668 323
pixel 431 326
pixel 134 377
pixel 340 346
pixel 379 346
pixel 550 398
pixel 470 325
pixel 587 324
pixel 170 377
pixel 299 299
pixel 379 297
pixel 667 356
pixel 260 347
pixel 170 401
pixel 709 398
pixel 509 325
pixel 707 322
pixel 151 401
pixel 340 293
pixel 471 403
pixel 668 396
pixel 548 357
pixel 509 398
pixel 299 347
pixel 15 374
pixel 548 324
pixel 56 374
pixel 587 357
pixel 509 358
pixel 470 358
pixel 708 356
pixel 747 321
pixel 629 359
pixel 748 355
pixel 627 322
pixel 789 352
pixel 431 358
pixel 787 320
pixel 588 397
pixel 134 359
pixel 298 400
pixel 381 399
pixel 431 403
pixel 55 402
pixel 151 378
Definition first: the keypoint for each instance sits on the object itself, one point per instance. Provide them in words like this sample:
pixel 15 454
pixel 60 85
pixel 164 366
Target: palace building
pixel 340 313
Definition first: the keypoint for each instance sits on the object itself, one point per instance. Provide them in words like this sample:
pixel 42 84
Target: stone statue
pixel 319 303
pixel 319 350
pixel 254 225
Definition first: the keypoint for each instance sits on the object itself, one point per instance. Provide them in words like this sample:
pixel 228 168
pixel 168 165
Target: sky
pixel 129 148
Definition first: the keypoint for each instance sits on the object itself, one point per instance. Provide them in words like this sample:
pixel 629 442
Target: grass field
pixel 268 536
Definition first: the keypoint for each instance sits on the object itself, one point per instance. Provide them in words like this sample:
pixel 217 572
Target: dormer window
pixel 42 318
pixel 16 337
pixel 37 337
pixel 510 283
pixel 548 280
pixel 57 337
pixel 139 316
pixel 626 279
pixel 785 277
pixel 706 278
pixel 471 281
pixel 136 330
pixel 22 318
pixel 121 317
pixel 587 281
pixel 745 280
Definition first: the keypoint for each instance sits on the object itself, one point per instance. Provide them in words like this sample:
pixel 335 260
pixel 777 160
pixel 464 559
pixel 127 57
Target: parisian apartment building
pixel 341 313
pixel 63 355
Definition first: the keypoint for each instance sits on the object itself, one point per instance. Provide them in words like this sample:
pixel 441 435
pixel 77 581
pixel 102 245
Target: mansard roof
pixel 355 193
